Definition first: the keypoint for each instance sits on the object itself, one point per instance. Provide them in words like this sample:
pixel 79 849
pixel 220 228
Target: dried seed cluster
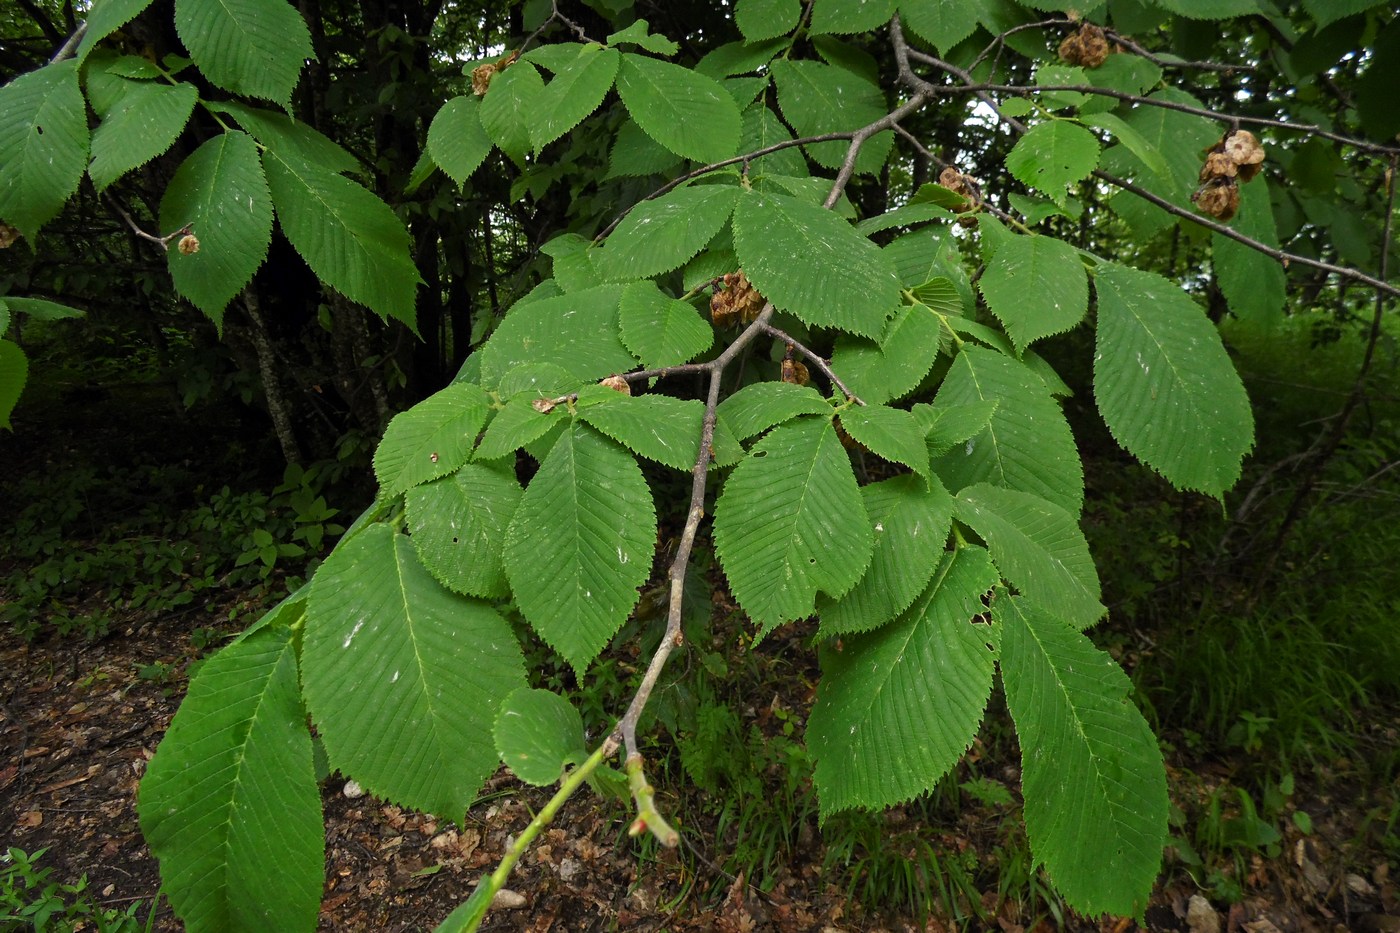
pixel 1238 157
pixel 735 300
pixel 482 74
pixel 1087 48
pixel 968 187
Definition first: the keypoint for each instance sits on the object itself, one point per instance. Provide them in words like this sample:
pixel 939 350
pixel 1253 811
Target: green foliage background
pixel 520 228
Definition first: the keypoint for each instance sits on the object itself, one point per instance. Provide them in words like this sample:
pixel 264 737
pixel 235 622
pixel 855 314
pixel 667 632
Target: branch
pixel 815 359
pixel 904 54
pixel 162 241
pixel 1136 49
pixel 1228 118
pixel 71 46
pixel 1282 256
pixel 747 157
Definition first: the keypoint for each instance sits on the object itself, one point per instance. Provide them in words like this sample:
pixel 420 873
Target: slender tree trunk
pixel 277 405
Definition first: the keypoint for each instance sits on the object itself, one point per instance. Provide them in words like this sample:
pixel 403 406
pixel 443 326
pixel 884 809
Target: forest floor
pixel 81 723
pixel 80 719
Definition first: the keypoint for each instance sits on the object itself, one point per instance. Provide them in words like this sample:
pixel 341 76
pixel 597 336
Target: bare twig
pixel 162 241
pixel 1160 62
pixel 903 54
pixel 858 138
pixel 815 359
pixel 626 730
pixel 1229 118
pixel 675 183
pixel 1282 256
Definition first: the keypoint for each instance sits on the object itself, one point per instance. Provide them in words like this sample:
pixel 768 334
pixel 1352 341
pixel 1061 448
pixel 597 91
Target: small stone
pixel 352 790
pixel 1201 917
pixel 506 899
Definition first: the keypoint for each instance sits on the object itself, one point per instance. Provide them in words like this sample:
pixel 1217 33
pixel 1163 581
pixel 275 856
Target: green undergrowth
pixel 31 899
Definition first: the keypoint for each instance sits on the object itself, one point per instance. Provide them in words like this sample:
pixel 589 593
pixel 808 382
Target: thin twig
pixel 1282 256
pixel 714 166
pixel 162 241
pixel 1138 50
pixel 848 164
pixel 815 359
pixel 903 55
pixel 1229 118
pixel 626 729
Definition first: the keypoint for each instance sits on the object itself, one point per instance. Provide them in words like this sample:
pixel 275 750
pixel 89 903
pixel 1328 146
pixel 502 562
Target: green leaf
pixel 1137 144
pixel 845 17
pixel 575 92
pixel 516 425
pixel 1027 443
pixel 252 47
pixel 811 263
pixel 658 427
pixel 1211 9
pixel 898 707
pixel 1036 287
pixel 1092 776
pixel 456 140
pixel 537 733
pixel 660 330
pixel 459 525
pixel 431 439
pixel 581 544
pixel 14 373
pixel 878 372
pixel 790 521
pixel 221 193
pixel 890 433
pixel 943 23
pixel 281 133
pixel 573 268
pixel 683 110
pixel 818 98
pixel 43 145
pixel 404 677
pixel 1038 548
pixel 639 34
pixel 635 154
pixel 352 240
pixel 1052 156
pixel 910 521
pixel 578 331
pixel 905 216
pixel 737 58
pixel 1326 12
pixel 509 106
pixel 229 803
pixel 1164 383
pixel 953 424
pixel 141 125
pixel 756 408
pixel 663 234
pixel 766 19
pixel 40 310
pixel 104 18
pixel 1254 284
pixel 1179 137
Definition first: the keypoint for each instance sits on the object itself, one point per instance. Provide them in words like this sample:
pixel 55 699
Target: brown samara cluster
pixel 967 186
pixel 482 74
pixel 1087 48
pixel 1238 157
pixel 735 300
